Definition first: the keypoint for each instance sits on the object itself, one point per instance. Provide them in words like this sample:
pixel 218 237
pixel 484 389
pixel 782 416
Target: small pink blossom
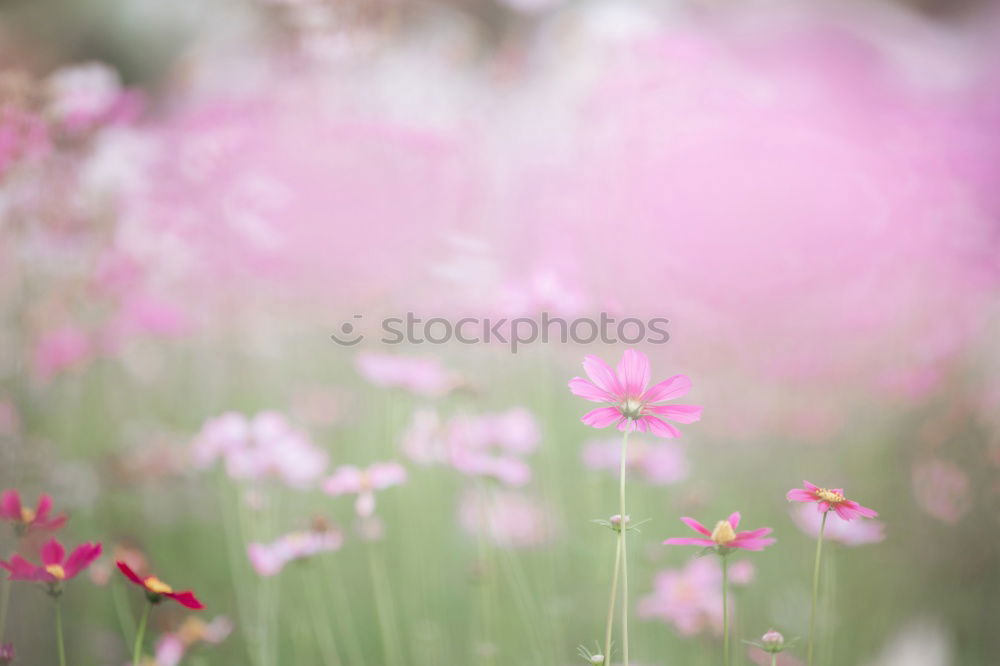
pixel 830 499
pixel 270 559
pixel 659 464
pixel 689 598
pixel 941 489
pixel 849 533
pixel 507 518
pixel 348 479
pixel 724 537
pixel 27 520
pixel 55 567
pixel 422 376
pixel 634 406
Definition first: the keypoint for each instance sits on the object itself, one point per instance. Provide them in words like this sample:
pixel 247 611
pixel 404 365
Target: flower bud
pixel 773 641
pixel 616 521
pixel 597 658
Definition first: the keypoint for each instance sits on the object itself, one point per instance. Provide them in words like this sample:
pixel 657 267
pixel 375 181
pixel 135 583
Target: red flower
pixel 156 589
pixel 25 518
pixel 55 566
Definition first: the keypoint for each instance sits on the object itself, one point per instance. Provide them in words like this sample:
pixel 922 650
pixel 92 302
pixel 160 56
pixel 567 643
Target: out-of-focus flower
pixel 920 642
pixel 61 349
pixel 742 572
pixel 7 654
pixel 849 533
pixel 270 559
pixel 659 464
pixel 941 489
pixel 265 446
pixel 55 567
pixel 724 537
pixel 348 479
pixel 422 376
pixel 172 646
pixel 26 519
pixel 634 406
pixel 830 499
pixel 689 598
pixel 87 95
pixel 508 518
pixel 157 590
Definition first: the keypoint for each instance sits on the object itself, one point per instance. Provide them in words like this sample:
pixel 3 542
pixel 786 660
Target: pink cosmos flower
pixel 270 559
pixel 25 518
pixel 830 499
pixel 724 536
pixel 634 406
pixel 348 479
pixel 849 533
pixel 55 567
pixel 689 598
pixel 941 488
pixel 422 376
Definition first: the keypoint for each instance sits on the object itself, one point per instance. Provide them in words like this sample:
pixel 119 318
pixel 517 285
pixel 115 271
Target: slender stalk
pixel 137 653
pixel 774 659
pixel 725 611
pixel 815 594
pixel 384 608
pixel 611 604
pixel 59 634
pixel 624 548
pixel 4 601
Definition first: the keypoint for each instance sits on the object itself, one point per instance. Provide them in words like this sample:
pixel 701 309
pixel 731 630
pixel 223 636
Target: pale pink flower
pixel 172 646
pixel 61 349
pixel 724 536
pixel 507 518
pixel 830 499
pixel 422 376
pixel 635 406
pixel 941 489
pixel 83 96
pixel 660 464
pixel 689 598
pixel 351 480
pixel 742 572
pixel 423 440
pixel 849 533
pixel 270 559
pixel 265 446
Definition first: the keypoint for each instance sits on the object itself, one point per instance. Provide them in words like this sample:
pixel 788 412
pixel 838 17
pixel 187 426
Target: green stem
pixel 137 653
pixel 622 527
pixel 725 611
pixel 774 659
pixel 611 604
pixel 59 634
pixel 815 591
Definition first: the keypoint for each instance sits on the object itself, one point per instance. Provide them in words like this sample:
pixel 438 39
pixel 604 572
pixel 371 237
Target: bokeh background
pixel 195 195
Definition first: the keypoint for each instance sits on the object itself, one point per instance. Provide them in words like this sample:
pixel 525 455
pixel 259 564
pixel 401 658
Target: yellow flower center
pixel 366 481
pixel 56 571
pixel 27 515
pixel 157 586
pixel 829 496
pixel 723 533
pixel 631 408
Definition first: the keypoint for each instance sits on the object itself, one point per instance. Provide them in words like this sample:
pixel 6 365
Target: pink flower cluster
pixel 265 446
pixel 491 445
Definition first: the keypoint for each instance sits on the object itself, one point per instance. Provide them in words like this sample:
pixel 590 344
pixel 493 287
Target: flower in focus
pixel 658 464
pixel 830 499
pixel 172 646
pixel 55 567
pixel 26 519
pixel 422 376
pixel 849 533
pixel 348 479
pixel 941 489
pixel 157 590
pixel 508 518
pixel 264 446
pixel 724 537
pixel 634 407
pixel 689 598
pixel 270 559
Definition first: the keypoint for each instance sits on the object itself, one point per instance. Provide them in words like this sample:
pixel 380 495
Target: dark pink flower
pixel 830 499
pixel 634 406
pixel 724 536
pixel 55 567
pixel 25 518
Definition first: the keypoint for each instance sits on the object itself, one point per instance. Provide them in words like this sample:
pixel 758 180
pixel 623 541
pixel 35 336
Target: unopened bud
pixel 773 641
pixel 616 521
pixel 597 658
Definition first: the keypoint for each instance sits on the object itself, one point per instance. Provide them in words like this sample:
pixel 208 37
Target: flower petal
pixel 751 544
pixel 696 526
pixel 679 413
pixel 660 428
pixel 44 506
pixel 668 389
pixel 601 417
pixel 581 387
pixel 633 372
pixel 754 534
pixel 187 599
pixel 688 541
pixel 131 575
pixel 812 487
pixel 800 495
pixel 82 557
pixel 52 552
pixel 734 519
pixel 10 505
pixel 603 376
